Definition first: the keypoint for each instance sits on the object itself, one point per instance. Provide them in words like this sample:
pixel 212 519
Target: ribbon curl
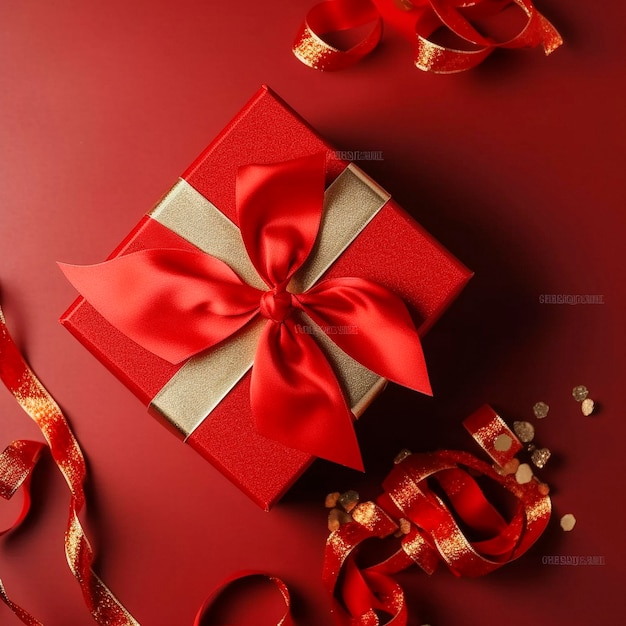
pixel 416 21
pixel 434 504
pixel 178 303
pixel 285 620
pixel 16 464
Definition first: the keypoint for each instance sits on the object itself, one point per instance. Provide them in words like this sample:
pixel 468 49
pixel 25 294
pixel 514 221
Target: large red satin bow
pixel 177 303
pixel 433 503
pixel 416 21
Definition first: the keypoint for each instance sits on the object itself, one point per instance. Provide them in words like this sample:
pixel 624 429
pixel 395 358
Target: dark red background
pixel 516 166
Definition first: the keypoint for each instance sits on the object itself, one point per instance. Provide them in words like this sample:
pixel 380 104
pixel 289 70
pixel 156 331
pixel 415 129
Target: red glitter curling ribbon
pixel 429 502
pixel 16 464
pixel 417 21
pixel 179 303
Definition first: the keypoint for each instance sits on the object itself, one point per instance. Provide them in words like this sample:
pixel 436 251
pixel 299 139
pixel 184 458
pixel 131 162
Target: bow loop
pixel 279 212
pixel 372 325
pixel 172 302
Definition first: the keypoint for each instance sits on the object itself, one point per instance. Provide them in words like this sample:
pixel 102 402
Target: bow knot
pixel 277 304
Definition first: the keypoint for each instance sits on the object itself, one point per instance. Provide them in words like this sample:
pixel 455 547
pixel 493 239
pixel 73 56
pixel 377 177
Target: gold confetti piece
pixel 403 454
pixel 531 447
pixel 336 518
pixel 540 410
pixel 502 443
pixel 331 500
pixel 540 457
pixel 510 467
pixel 524 474
pixel 587 406
pixel 524 430
pixel 404 527
pixel 568 521
pixel 349 499
pixel 543 489
pixel 580 392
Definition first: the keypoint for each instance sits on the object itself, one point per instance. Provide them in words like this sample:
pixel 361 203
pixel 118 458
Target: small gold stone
pixel 403 454
pixel 540 457
pixel 510 467
pixel 524 430
pixel 502 443
pixel 540 410
pixel 348 500
pixel 331 500
pixel 543 489
pixel 587 406
pixel 524 474
pixel 336 518
pixel 580 392
pixel 568 522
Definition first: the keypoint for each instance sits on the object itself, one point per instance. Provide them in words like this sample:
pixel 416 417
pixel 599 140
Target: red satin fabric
pixel 417 21
pixel 434 533
pixel 178 304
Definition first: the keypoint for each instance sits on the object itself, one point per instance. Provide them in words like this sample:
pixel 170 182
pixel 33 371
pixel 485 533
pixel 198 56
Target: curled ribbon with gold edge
pixel 17 462
pixel 179 303
pixel 286 619
pixel 16 465
pixel 417 21
pixel 431 500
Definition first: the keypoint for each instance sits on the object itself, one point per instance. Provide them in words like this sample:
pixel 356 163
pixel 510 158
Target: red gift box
pixel 206 400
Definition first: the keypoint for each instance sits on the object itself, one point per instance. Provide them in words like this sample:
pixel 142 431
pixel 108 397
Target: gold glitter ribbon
pixel 429 527
pixel 417 21
pixel 32 396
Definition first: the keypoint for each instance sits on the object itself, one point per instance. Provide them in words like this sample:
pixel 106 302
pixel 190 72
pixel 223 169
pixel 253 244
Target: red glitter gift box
pixel 364 233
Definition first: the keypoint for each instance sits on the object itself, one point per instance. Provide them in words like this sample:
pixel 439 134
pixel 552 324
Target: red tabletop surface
pixel 516 167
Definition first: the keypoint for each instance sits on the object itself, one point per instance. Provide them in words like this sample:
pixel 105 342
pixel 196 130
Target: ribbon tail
pixel 296 398
pixel 174 303
pixel 372 325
